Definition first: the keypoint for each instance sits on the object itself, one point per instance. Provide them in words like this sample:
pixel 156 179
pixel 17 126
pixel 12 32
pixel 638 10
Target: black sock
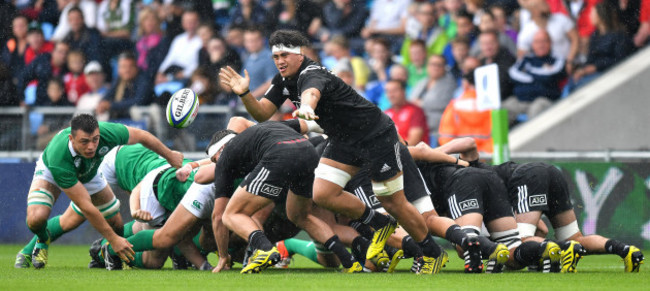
pixel 336 246
pixel 429 247
pixel 360 246
pixel 456 235
pixel 487 246
pixel 362 229
pixel 411 248
pixel 390 251
pixel 527 254
pixel 564 244
pixel 258 240
pixel 613 246
pixel 375 219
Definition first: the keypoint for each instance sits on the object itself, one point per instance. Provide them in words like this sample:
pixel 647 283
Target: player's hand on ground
pixel 141 215
pixel 123 248
pixel 175 159
pixel 236 82
pixel 223 264
pixel 183 173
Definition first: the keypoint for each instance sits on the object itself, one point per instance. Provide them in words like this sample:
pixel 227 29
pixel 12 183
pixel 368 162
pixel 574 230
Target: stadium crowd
pixel 106 56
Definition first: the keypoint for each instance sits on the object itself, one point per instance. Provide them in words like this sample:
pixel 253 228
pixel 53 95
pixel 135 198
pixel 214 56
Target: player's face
pixel 216 156
pixel 85 143
pixel 287 63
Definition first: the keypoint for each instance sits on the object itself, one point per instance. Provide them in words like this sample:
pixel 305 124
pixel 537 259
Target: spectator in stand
pixel 13 51
pixel 218 54
pixel 461 118
pixel 36 44
pixel 235 38
pixel 251 13
pixel 608 45
pixel 95 80
pixel 464 28
pixel 345 71
pixel 387 20
pixel 629 12
pixel 206 85
pixel 447 21
pixel 460 51
pixel 7 13
pixel 536 80
pixel 560 27
pixel 8 96
pixel 642 36
pixel 375 91
pixel 408 118
pixel 338 47
pixel 381 59
pixel 417 66
pixel 75 79
pixel 488 23
pixel 492 53
pixel 43 68
pixel 89 10
pixel 258 61
pixel 115 21
pixel 149 35
pixel 346 18
pixel 301 15
pixel 131 88
pixel 475 7
pixel 84 38
pixel 184 50
pixel 501 21
pixel 52 124
pixel 425 29
pixel 434 93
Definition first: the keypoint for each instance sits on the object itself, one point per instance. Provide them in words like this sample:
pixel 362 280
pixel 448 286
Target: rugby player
pixel 69 164
pixel 359 133
pixel 540 188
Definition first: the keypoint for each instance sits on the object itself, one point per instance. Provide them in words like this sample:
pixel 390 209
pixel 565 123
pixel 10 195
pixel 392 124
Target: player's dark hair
pixel 288 38
pixel 217 136
pixel 85 122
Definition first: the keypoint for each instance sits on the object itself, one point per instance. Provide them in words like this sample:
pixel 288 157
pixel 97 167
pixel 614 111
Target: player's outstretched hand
pixel 123 248
pixel 175 159
pixel 305 112
pixel 141 215
pixel 183 173
pixel 236 82
pixel 223 264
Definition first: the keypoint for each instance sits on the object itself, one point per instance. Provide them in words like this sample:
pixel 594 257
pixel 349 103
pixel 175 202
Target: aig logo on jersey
pixel 270 190
pixel 537 200
pixel 468 204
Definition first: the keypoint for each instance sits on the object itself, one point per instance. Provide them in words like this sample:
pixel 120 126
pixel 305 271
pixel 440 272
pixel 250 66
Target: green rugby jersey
pixel 68 167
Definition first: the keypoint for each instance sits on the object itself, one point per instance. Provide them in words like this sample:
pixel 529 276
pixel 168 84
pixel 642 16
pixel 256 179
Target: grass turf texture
pixel 67 270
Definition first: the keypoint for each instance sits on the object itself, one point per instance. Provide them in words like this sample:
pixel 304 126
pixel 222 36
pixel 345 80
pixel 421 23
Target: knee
pixel 163 240
pixel 36 219
pixel 321 197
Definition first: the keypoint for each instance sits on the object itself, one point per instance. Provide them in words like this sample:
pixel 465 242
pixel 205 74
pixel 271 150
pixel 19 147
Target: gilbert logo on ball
pixel 182 108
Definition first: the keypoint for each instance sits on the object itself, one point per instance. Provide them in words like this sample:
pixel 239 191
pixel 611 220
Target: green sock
pixel 137 261
pixel 141 241
pixel 302 247
pixel 54 229
pixel 27 250
pixel 41 233
pixel 197 242
pixel 128 228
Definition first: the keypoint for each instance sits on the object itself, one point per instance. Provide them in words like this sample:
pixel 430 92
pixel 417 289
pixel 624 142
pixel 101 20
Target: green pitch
pixel 67 271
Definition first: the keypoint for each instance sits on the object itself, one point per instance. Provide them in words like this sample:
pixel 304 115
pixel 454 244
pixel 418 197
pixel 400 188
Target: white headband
pixel 282 48
pixel 212 150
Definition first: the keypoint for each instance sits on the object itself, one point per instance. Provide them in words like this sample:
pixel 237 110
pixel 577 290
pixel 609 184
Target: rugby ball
pixel 182 108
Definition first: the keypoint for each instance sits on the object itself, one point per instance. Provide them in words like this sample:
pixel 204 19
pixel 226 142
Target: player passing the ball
pixel 359 133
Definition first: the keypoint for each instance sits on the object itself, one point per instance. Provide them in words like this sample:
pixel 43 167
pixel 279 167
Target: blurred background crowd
pixel 414 59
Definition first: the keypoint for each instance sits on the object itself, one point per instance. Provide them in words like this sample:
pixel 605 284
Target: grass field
pixel 67 271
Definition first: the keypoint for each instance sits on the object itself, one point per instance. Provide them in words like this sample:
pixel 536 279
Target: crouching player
pixel 69 164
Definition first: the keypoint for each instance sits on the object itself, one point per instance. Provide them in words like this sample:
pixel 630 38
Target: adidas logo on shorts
pixel 385 168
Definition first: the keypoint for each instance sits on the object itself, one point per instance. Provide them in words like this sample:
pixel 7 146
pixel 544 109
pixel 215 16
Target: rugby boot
pixel 571 255
pixel 112 262
pixel 39 254
pixel 551 258
pixel 398 256
pixel 497 259
pixel 633 260
pixel 95 259
pixel 473 256
pixel 379 239
pixel 261 260
pixel 23 261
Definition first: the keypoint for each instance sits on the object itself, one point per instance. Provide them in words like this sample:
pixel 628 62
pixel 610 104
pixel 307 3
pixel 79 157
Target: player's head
pixel 218 142
pixel 286 46
pixel 84 135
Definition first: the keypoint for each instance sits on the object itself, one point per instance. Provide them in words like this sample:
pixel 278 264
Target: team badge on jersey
pixel 103 150
pixel 270 190
pixel 468 204
pixel 77 162
pixel 537 200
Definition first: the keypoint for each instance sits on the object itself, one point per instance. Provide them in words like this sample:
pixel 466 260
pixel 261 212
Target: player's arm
pixel 308 101
pixel 422 152
pixel 465 146
pixel 415 135
pixel 239 124
pixel 134 205
pixel 221 233
pixel 205 175
pixel 184 172
pixel 260 110
pixel 79 195
pixel 148 140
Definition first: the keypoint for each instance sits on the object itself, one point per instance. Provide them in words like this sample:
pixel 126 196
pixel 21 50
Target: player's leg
pixel 42 195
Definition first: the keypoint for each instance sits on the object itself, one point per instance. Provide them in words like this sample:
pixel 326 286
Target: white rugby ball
pixel 182 108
